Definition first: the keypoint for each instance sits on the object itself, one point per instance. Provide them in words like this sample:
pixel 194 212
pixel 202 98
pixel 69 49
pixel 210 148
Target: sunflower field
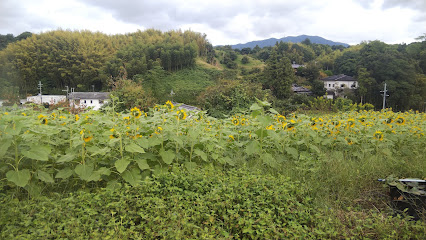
pixel 42 148
pixel 201 168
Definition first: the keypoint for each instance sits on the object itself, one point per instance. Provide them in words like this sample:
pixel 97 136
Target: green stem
pixel 177 135
pixel 121 146
pixel 16 154
pixel 190 153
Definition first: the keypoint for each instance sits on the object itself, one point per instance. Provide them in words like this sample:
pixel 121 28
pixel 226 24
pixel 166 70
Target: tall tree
pixel 365 83
pixel 278 75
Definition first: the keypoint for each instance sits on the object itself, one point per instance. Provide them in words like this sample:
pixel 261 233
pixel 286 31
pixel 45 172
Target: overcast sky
pixel 225 21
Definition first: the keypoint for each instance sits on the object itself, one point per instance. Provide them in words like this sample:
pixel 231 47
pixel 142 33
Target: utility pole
pixel 384 97
pixel 41 96
pixel 171 94
pixel 93 88
pixel 66 90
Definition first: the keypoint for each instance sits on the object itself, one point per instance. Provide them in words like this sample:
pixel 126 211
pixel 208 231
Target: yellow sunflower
pixel 136 112
pixel 290 125
pixel 170 105
pixel 378 135
pixel 349 141
pixel 400 120
pixel 181 114
pixel 280 118
pixel 42 119
pixel 235 121
pixel 243 122
pixel 351 123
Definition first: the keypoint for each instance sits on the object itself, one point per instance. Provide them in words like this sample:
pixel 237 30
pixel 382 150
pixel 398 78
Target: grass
pixel 187 83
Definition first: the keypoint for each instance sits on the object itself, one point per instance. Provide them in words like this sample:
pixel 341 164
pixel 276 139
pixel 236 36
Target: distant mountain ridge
pixel 297 39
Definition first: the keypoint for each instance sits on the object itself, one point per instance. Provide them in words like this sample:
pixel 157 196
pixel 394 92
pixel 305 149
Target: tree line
pixel 82 59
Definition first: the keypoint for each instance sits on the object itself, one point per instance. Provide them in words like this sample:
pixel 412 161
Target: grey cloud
pixel 418 5
pixel 15 19
pixel 10 13
pixel 167 15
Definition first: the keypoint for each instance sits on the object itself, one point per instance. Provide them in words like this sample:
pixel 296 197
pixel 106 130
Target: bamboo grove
pixel 81 59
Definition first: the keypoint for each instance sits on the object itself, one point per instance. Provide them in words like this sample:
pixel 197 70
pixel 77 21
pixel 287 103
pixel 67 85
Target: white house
pixel 50 99
pixel 337 83
pixel 88 99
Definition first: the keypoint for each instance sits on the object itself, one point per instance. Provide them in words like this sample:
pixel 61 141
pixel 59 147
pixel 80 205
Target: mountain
pixel 297 39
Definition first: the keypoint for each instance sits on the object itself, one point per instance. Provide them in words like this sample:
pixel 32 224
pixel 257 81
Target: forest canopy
pixel 82 59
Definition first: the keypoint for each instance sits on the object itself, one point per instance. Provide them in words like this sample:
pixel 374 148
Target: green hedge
pixel 209 204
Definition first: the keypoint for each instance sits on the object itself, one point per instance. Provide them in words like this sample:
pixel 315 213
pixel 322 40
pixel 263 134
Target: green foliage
pixel 187 84
pixel 81 59
pixel 130 94
pixel 340 104
pixel 278 76
pixel 335 159
pixel 230 97
pixel 9 38
pixel 245 60
pixel 139 57
pixel 203 204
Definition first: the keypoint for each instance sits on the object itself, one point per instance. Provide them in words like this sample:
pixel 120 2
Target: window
pixel 329 85
pixel 333 85
pixel 84 101
pixel 101 101
pixel 91 101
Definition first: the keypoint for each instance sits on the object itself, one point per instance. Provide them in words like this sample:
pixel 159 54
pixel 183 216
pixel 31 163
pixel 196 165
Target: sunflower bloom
pixel 87 139
pixel 181 114
pixel 349 141
pixel 136 112
pixel 280 118
pixel 351 123
pixel 378 135
pixel 42 119
pixel 244 122
pixel 400 120
pixel 235 121
pixel 170 105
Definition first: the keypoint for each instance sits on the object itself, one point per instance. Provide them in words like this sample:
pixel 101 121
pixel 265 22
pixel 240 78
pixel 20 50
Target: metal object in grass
pixel 407 195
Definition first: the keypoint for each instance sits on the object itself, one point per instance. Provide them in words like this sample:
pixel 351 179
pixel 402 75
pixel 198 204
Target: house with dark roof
pixel 300 90
pixel 88 99
pixel 336 84
pixel 186 107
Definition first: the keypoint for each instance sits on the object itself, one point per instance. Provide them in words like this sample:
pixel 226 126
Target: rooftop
pixel 89 95
pixel 299 89
pixel 186 107
pixel 340 77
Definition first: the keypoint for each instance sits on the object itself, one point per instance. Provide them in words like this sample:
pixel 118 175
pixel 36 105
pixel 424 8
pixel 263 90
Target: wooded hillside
pixel 81 59
pixel 155 60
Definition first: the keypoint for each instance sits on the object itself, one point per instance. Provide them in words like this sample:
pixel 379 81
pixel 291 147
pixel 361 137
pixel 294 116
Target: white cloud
pixel 225 21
